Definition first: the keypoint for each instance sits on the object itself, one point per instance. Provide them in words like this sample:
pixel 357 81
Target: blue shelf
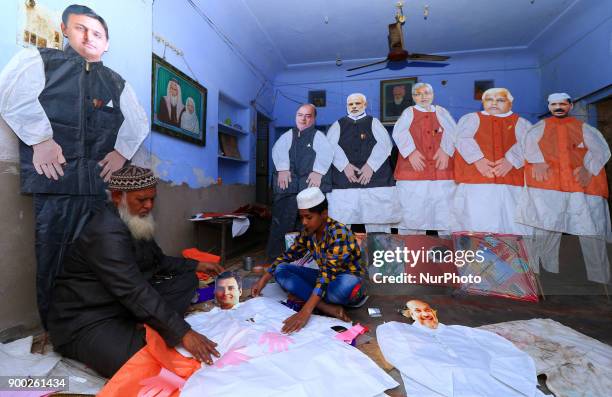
pixel 226 129
pixel 233 159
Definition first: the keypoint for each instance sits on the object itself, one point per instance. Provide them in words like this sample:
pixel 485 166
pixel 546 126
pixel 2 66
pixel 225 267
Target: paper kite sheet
pixel 504 272
pixel 257 360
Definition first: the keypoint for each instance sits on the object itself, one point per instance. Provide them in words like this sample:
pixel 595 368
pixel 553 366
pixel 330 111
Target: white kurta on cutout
pixel 315 364
pixel 456 361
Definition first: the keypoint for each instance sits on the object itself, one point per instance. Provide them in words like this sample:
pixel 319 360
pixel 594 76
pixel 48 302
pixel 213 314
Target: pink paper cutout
pixel 350 334
pixel 276 342
pixel 232 357
pixel 162 385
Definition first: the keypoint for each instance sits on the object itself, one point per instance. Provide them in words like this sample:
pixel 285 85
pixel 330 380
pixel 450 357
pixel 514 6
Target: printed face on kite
pixel 423 97
pixel 227 292
pixel 355 105
pixel 560 108
pixel 422 313
pixel 497 103
pixel 86 36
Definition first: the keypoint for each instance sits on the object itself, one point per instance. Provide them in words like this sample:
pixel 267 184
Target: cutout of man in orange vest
pixel 424 135
pixel 567 189
pixel 489 167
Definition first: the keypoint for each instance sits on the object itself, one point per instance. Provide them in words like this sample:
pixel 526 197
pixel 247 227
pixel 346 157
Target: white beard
pixel 173 100
pixel 141 228
pixel 397 101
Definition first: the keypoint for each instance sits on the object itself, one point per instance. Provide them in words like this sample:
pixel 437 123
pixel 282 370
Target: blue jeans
pixel 300 281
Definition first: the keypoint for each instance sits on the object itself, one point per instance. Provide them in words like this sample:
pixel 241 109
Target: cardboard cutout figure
pixel 301 157
pixel 567 189
pixel 228 289
pixel 489 167
pixel 424 135
pixel 78 121
pixel 363 189
pixel 452 360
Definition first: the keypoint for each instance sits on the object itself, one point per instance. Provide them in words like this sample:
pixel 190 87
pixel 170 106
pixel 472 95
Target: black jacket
pixel 85 132
pixel 106 275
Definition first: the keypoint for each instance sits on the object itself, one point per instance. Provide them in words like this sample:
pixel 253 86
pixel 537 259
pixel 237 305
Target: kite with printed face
pixel 228 289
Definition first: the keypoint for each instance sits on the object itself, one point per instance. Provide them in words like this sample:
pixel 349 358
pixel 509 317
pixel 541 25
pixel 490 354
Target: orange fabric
pixel 495 136
pixel 147 362
pixel 426 133
pixel 196 254
pixel 559 145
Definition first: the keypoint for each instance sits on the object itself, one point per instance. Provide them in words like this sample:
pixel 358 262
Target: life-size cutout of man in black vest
pixel 78 122
pixel 363 188
pixel 301 158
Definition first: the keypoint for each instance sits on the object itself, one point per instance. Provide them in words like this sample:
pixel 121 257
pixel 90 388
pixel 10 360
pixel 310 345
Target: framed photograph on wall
pixel 480 86
pixel 178 103
pixel 317 98
pixel 395 96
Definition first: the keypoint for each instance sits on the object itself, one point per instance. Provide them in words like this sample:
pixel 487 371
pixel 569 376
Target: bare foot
pixel 332 310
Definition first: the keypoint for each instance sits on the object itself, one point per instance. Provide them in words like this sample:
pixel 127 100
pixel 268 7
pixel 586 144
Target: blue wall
pixel 516 70
pixel 575 54
pixel 221 69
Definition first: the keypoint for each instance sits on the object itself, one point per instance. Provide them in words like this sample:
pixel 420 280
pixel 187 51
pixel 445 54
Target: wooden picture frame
pixel 176 118
pixel 390 109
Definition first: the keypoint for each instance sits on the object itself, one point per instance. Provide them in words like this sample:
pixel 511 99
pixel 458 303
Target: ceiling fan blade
pixel 366 65
pixel 427 57
pixel 426 65
pixel 366 72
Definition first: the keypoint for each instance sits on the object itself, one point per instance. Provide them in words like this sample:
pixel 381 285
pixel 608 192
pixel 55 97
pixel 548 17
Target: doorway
pixel 262 186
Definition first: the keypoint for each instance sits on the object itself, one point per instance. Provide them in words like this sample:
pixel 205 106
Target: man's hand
pixel 417 160
pixel 441 159
pixel 112 162
pixel 296 322
pixel 212 269
pixel 583 176
pixel 366 174
pixel 256 289
pixel 485 167
pixel 314 179
pixel 350 171
pixel 200 346
pixel 48 159
pixel 284 178
pixel 539 171
pixel 502 167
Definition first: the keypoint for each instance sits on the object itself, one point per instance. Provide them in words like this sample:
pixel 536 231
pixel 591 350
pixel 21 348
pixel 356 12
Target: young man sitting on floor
pixel 340 279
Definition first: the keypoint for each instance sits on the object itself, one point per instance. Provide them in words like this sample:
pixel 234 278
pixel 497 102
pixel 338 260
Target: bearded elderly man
pixel 116 278
pixel 489 167
pixel 363 189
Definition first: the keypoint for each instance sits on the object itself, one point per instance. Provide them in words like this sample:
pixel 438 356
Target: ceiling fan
pixel 398 57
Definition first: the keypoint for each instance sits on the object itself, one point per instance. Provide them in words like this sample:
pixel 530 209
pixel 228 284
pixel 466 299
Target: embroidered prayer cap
pixel 310 198
pixel 130 178
pixel 558 96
